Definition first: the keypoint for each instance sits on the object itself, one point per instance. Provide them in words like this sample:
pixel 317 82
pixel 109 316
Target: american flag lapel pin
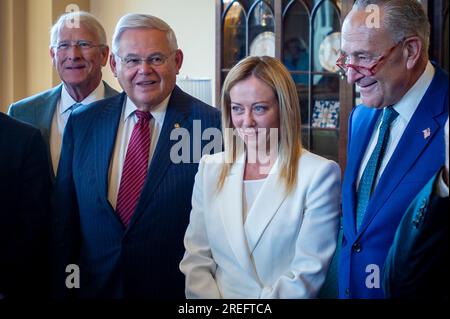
pixel 426 133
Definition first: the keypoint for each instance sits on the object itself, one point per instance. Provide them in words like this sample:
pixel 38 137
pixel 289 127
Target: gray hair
pixel 137 21
pixel 85 18
pixel 402 18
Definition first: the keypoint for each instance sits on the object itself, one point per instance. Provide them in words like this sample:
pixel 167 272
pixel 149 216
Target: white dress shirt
pixel 61 115
pixel 126 125
pixel 405 108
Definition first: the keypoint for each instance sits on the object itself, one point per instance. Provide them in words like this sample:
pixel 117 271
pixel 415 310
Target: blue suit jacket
pixel 414 162
pixel 38 110
pixel 140 261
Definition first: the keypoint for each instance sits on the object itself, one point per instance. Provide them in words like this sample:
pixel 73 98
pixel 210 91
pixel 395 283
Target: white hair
pixel 88 20
pixel 137 21
pixel 402 18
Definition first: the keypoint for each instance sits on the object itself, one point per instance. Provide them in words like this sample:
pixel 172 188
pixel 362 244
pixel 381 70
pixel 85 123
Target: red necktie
pixel 135 168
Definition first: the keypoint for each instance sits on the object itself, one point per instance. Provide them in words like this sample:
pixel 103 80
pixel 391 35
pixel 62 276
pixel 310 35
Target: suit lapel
pixel 104 137
pixel 364 126
pixel 177 114
pixel 109 91
pixel 265 207
pixel 410 147
pixel 231 213
pixel 44 113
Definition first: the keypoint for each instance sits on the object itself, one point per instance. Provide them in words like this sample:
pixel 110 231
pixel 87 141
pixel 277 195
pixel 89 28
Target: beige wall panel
pixel 39 65
pixel 13 62
pixel 5 54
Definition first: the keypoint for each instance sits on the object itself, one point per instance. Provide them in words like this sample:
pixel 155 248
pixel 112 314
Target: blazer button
pixel 356 247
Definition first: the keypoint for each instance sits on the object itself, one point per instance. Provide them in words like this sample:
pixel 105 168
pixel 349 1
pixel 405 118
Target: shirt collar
pixel 67 101
pixel 410 101
pixel 158 112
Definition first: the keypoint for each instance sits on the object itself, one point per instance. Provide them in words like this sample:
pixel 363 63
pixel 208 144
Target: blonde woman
pixel 264 216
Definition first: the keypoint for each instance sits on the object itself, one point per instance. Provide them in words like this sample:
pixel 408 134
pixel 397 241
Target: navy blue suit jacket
pixel 25 187
pixel 140 261
pixel 414 161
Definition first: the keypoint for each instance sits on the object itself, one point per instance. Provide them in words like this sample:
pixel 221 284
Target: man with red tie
pixel 122 203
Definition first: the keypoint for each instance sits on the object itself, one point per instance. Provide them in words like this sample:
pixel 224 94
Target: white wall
pixel 193 22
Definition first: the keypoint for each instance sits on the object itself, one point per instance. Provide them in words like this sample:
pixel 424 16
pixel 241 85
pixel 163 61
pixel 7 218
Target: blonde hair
pixel 273 73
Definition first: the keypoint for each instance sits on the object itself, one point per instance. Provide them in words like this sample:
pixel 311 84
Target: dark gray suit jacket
pixel 38 110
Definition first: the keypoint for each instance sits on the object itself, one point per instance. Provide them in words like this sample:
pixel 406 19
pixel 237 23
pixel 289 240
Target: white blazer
pixel 286 244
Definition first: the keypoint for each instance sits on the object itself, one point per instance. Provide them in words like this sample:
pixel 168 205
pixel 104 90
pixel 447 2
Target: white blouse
pixel 251 191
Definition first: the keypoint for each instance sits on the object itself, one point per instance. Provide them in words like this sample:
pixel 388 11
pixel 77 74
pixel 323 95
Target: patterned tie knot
pixel 389 116
pixel 143 116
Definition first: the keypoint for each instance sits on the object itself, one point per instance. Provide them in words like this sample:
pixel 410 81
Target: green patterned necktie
pixel 366 184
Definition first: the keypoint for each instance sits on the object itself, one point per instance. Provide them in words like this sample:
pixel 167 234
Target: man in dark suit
pixel 24 210
pixel 395 142
pixel 418 261
pixel 122 197
pixel 79 51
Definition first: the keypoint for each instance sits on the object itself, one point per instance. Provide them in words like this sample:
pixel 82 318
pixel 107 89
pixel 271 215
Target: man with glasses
pixel 395 142
pixel 123 201
pixel 79 51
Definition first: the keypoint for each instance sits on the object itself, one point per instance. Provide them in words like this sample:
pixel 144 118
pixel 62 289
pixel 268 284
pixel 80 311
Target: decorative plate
pixel 263 44
pixel 329 51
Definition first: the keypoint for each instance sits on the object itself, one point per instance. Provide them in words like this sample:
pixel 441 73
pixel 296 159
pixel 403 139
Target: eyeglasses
pixel 81 44
pixel 365 68
pixel 133 61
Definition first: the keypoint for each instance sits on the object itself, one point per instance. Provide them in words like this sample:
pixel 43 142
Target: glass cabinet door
pixel 311 45
pixel 296 16
pixel 324 107
pixel 234 33
pixel 296 40
pixel 261 31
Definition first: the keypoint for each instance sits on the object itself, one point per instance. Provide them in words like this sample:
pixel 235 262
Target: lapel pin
pixel 426 133
pixel 177 125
